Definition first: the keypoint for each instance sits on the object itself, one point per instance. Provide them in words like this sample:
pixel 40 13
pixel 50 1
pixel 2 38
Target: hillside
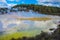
pixel 39 8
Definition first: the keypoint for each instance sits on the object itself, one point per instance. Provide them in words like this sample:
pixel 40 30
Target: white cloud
pixel 43 1
pixel 49 4
pixel 2 0
pixel 9 5
pixel 48 0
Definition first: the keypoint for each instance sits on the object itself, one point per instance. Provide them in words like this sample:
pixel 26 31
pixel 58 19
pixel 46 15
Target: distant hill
pixel 50 10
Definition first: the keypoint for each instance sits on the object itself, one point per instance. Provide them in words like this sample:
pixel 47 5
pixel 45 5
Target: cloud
pixel 12 4
pixel 2 0
pixel 43 1
pixel 49 2
pixel 8 5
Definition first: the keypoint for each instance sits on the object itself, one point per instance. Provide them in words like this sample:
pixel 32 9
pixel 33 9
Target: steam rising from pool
pixel 9 23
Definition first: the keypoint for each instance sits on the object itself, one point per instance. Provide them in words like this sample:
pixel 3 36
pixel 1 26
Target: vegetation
pixel 3 10
pixel 43 36
pixel 39 8
pixel 20 34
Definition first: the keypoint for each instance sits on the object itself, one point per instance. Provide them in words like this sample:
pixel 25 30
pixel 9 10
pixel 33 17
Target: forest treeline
pixel 39 8
pixel 3 10
pixel 44 35
pixel 50 10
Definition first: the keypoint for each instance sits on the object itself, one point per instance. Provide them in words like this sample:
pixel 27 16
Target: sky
pixel 40 2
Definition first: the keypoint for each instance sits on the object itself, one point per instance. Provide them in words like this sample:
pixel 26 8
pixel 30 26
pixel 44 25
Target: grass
pixel 20 34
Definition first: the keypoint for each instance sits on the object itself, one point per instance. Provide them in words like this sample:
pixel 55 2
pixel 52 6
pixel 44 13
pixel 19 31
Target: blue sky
pixel 22 1
pixel 40 2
